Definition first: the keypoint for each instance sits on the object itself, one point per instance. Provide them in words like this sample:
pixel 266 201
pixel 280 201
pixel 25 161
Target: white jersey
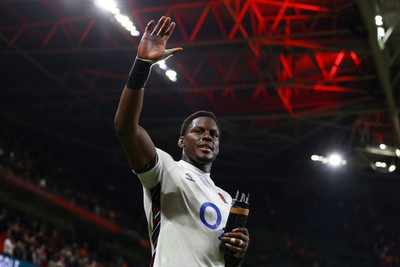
pixel 186 213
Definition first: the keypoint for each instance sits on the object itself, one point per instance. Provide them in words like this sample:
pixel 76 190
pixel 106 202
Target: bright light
pixel 335 160
pixel 378 20
pixel 384 167
pixel 162 64
pixel 115 11
pixel 121 18
pixel 314 157
pixel 392 168
pixel 381 32
pixel 125 22
pixel 171 74
pixel 135 33
pixel 106 4
pixel 382 158
pixel 111 6
pixel 380 164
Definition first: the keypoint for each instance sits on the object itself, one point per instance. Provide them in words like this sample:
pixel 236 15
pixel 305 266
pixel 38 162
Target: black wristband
pixel 139 74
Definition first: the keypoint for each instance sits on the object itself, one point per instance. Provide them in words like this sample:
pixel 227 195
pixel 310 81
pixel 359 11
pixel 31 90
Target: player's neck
pixel 204 167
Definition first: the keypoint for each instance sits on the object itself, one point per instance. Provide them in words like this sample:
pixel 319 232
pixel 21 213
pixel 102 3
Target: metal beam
pixel 380 56
pixel 49 75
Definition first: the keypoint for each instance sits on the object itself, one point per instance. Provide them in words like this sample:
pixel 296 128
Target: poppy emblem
pixel 222 197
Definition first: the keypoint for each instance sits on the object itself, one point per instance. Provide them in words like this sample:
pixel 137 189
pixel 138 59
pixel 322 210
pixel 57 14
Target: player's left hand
pixel 237 241
pixel 153 42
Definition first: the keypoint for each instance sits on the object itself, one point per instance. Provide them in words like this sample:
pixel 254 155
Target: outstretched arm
pixel 137 144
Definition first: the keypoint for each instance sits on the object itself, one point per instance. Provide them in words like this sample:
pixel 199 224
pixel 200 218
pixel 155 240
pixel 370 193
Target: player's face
pixel 201 142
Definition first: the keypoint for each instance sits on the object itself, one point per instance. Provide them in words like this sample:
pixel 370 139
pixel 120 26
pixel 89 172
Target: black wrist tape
pixel 139 74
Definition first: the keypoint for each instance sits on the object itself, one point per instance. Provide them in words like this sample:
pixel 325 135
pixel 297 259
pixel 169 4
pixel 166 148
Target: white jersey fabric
pixel 187 213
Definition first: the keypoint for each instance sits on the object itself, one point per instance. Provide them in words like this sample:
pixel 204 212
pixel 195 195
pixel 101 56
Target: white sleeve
pixel 153 176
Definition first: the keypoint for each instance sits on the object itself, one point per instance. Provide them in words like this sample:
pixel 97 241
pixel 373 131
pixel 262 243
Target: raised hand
pixel 153 42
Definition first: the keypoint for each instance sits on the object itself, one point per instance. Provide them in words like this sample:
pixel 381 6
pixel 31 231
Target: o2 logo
pixel 213 224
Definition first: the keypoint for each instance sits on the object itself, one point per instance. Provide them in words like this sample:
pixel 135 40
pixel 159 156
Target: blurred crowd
pixel 329 231
pixel 41 164
pixel 306 229
pixel 35 242
pixel 49 166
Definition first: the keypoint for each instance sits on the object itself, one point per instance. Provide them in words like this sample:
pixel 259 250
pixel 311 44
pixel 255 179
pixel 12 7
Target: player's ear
pixel 181 142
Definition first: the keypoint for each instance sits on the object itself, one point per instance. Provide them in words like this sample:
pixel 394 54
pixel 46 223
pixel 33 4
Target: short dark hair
pixel 201 113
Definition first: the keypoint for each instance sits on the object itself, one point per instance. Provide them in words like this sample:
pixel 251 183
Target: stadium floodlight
pixel 315 158
pixel 381 32
pixel 123 20
pixel 334 160
pixel 162 65
pixel 378 20
pixel 383 167
pixel 381 158
pixel 108 5
pixel 171 74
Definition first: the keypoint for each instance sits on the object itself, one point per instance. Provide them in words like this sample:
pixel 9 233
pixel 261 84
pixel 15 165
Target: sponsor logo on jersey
pixel 190 177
